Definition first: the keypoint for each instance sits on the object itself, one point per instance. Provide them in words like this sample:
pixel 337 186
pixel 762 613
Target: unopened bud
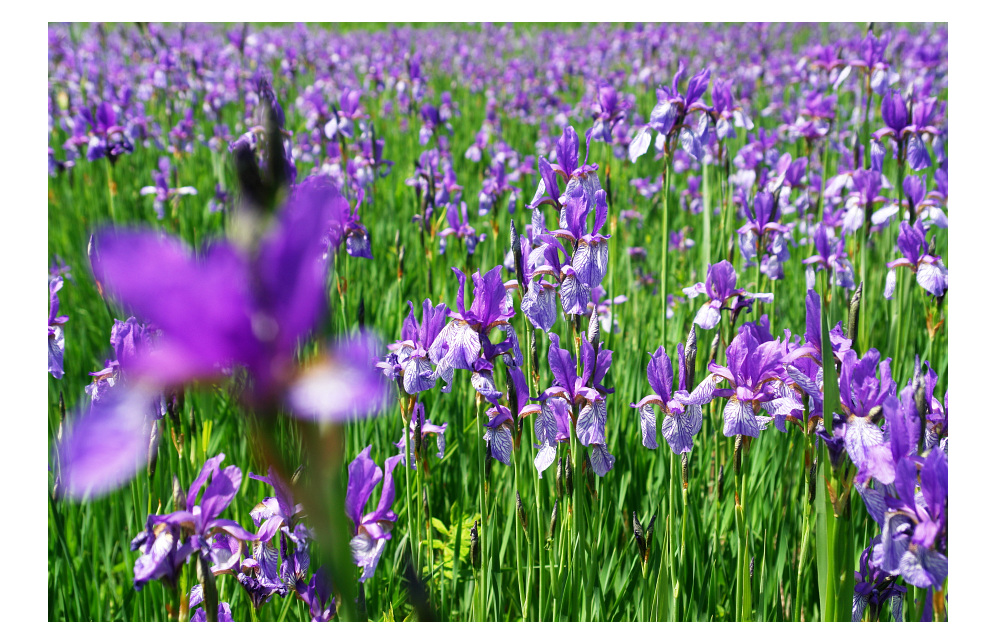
pixel 811 487
pixel 920 396
pixel 852 315
pixel 684 470
pixel 206 578
pixel 520 510
pixel 737 454
pixel 513 238
pixel 401 261
pixel 417 438
pixel 691 349
pixel 568 478
pixel 641 541
pixel 475 547
pixel 179 498
pixel 608 185
pixel 153 454
pixel 589 475
pixel 932 246
pixel 594 330
pixel 361 314
pixel 553 519
pixel 560 477
pixel 752 568
pixel 713 348
pixel 719 483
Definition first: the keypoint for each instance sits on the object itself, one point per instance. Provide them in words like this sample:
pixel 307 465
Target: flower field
pixel 498 323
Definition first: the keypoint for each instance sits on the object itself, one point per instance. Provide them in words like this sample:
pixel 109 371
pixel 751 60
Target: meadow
pixel 495 323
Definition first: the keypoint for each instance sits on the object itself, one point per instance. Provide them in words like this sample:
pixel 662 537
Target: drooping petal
pixel 591 423
pixel 739 418
pixel 366 553
pixel 648 425
pixel 601 460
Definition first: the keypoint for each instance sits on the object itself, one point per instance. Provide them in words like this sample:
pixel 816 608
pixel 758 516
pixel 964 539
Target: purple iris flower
pixel 755 371
pixel 875 588
pixel 498 432
pixel 906 127
pixel 581 178
pixel 223 308
pixel 726 114
pixel 427 429
pixel 862 394
pixel 318 596
pixel 216 311
pixel 669 116
pixel 350 111
pixel 130 341
pixel 721 287
pixel 494 186
pixel 372 530
pixel 161 189
pixel 763 232
pixel 609 110
pixel 586 409
pixel 458 345
pixel 830 257
pixel 56 336
pixel 197 596
pixel 412 362
pixel 931 274
pixel 459 226
pixel 866 186
pixel 681 422
pixel 352 230
pixel 914 523
pixel 163 551
pixel 107 138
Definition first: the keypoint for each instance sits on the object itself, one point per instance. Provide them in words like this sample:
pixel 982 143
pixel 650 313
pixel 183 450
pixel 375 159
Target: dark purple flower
pixel 830 257
pixel 931 273
pixel 755 371
pixel 198 523
pixel 681 422
pixel 197 596
pixel 876 588
pixel 721 286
